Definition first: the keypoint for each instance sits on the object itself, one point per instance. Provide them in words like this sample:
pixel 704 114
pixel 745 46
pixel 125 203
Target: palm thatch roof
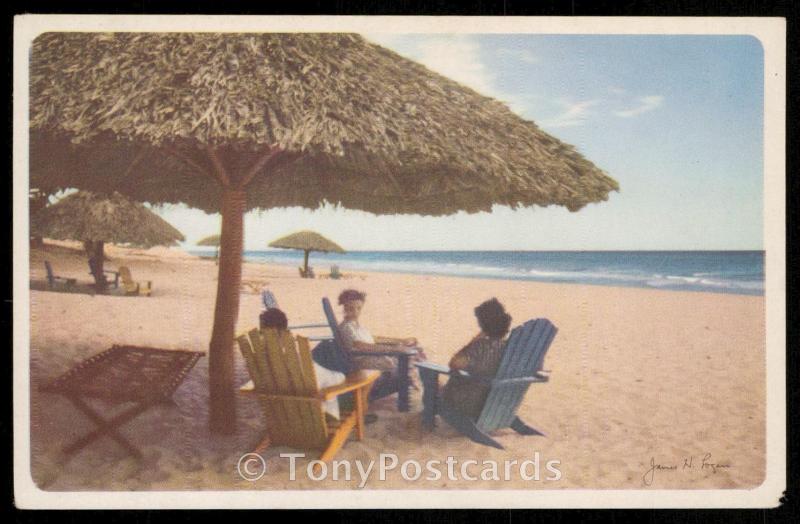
pixel 112 218
pixel 366 128
pixel 212 240
pixel 307 241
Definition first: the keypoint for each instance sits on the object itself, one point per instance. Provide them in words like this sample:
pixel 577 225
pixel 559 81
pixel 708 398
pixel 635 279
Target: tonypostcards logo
pixel 253 467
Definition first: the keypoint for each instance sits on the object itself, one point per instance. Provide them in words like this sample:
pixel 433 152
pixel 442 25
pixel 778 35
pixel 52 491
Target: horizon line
pixel 666 250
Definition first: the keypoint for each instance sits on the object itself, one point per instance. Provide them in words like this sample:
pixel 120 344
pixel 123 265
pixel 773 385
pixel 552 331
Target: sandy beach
pixel 638 378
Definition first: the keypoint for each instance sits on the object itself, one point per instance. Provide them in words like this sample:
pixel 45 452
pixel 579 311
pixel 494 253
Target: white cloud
pixel 645 104
pixel 458 58
pixel 573 114
pixel 454 56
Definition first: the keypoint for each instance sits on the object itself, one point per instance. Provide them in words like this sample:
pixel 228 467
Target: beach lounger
pixel 388 384
pixel 286 384
pixel 520 367
pixel 132 287
pixel 335 274
pixel 53 279
pixel 137 377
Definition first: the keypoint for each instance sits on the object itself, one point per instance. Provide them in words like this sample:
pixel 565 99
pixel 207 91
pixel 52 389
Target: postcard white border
pixel 771 32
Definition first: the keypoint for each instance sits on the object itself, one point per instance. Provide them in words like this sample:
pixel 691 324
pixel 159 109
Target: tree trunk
pixel 222 409
pixel 305 263
pixel 96 252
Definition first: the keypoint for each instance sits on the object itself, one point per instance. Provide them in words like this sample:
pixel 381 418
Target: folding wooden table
pixel 139 376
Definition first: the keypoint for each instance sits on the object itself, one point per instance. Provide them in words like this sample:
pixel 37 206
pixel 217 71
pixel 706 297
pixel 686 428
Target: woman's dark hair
pixel 348 295
pixel 493 319
pixel 273 318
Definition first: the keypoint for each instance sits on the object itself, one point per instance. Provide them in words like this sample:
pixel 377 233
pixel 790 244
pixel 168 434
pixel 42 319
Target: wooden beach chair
pixel 132 287
pixel 388 384
pixel 53 279
pixel 521 366
pixel 335 274
pixel 286 384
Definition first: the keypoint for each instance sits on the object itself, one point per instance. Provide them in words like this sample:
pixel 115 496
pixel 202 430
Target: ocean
pixel 740 272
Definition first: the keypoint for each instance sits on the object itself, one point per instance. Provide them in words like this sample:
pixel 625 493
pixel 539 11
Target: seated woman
pixel 481 356
pixel 276 319
pixel 358 337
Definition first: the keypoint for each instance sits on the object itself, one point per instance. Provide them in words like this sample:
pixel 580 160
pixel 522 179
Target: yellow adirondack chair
pixel 286 384
pixel 132 287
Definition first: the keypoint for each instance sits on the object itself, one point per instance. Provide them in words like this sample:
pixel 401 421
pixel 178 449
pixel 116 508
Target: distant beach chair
pixel 388 384
pixel 306 274
pixel 335 274
pixel 520 367
pixel 291 401
pixel 131 286
pixel 53 279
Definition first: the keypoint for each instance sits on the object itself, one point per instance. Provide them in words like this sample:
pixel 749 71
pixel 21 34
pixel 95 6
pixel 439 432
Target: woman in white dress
pixel 358 337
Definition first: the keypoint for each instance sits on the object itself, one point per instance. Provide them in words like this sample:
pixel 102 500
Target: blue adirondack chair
pixel 52 278
pixel 521 366
pixel 388 383
pixel 269 301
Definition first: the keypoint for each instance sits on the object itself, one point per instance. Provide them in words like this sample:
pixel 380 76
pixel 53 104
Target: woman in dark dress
pixel 480 357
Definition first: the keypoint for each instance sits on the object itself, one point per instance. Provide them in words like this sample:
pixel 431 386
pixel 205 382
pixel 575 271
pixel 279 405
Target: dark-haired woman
pixel 480 357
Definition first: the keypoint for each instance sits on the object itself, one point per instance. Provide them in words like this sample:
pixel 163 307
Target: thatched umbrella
pixel 212 240
pixel 96 219
pixel 231 122
pixel 307 241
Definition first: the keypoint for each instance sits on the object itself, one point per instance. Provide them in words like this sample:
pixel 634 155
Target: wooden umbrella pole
pixel 95 251
pixel 222 409
pixel 100 256
pixel 222 406
pixel 305 262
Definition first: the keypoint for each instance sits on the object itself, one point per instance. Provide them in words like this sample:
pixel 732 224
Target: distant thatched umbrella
pixel 95 219
pixel 213 121
pixel 307 241
pixel 212 240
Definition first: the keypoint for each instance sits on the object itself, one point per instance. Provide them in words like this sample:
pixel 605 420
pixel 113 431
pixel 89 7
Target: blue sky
pixel 677 120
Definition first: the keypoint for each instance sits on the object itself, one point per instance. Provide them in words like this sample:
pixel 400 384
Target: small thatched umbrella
pixel 212 240
pixel 227 122
pixel 96 219
pixel 307 241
